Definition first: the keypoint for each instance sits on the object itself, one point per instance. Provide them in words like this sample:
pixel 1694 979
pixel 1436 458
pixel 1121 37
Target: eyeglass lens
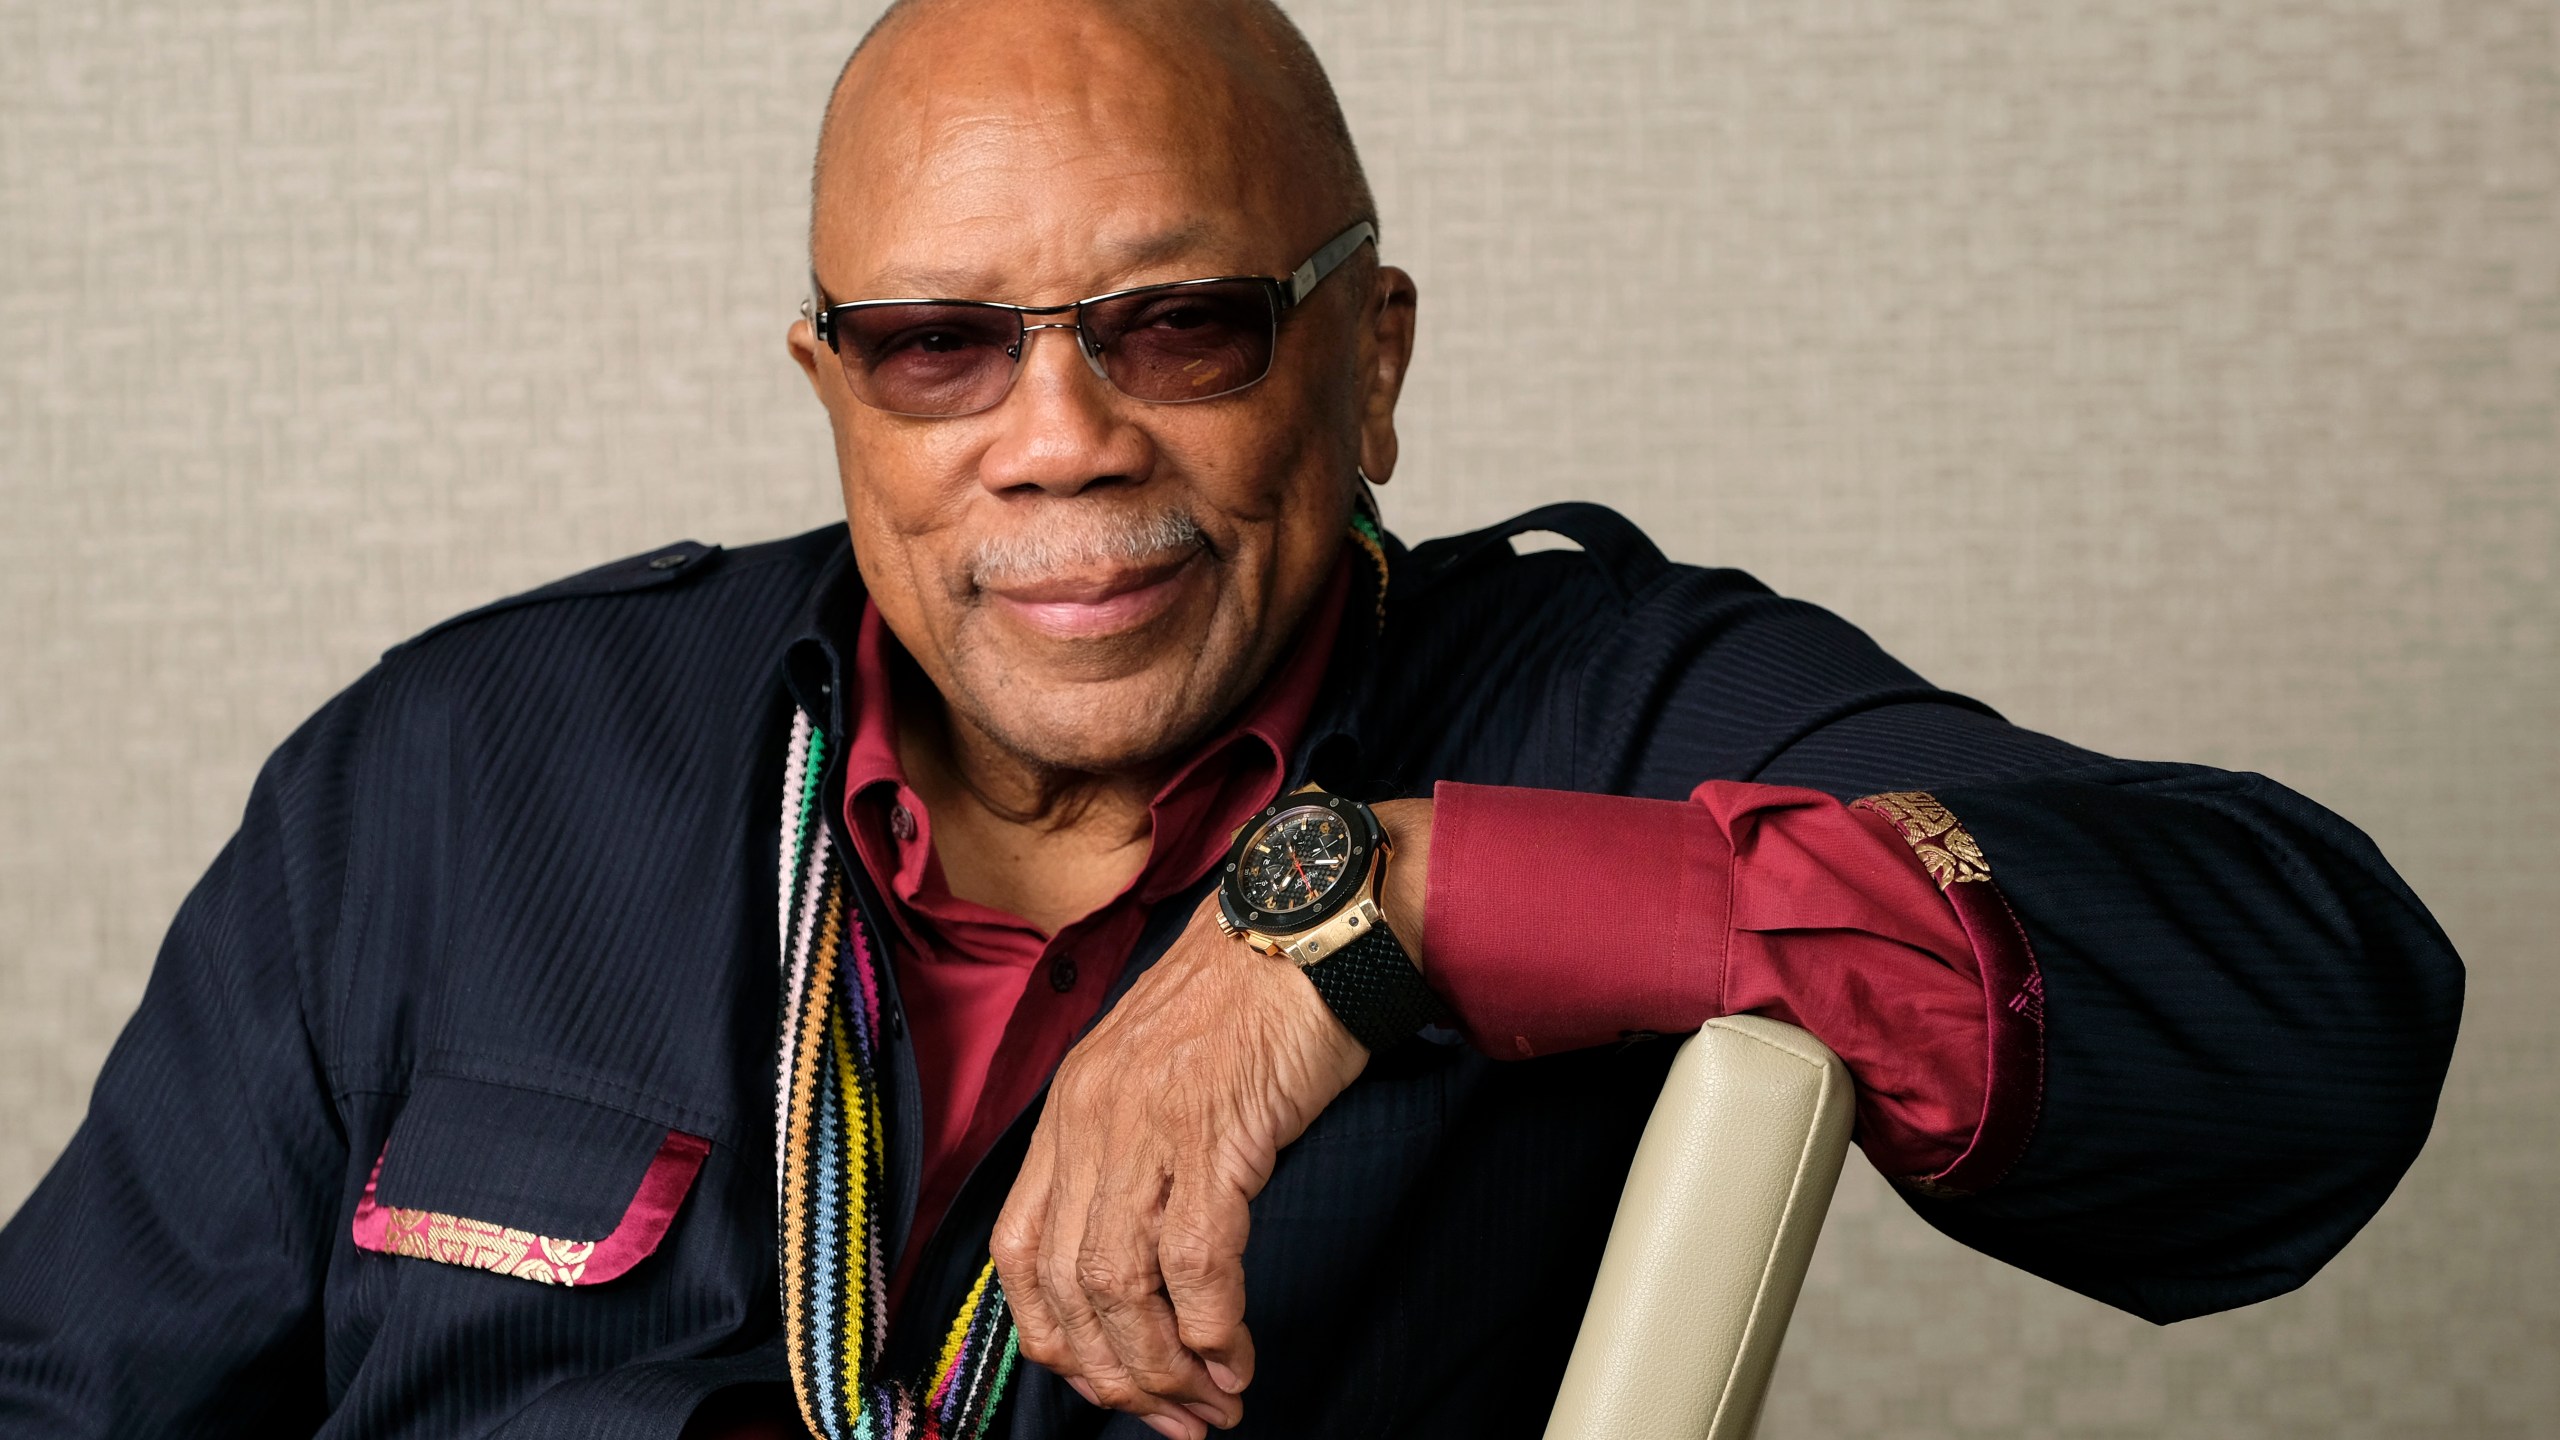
pixel 1166 343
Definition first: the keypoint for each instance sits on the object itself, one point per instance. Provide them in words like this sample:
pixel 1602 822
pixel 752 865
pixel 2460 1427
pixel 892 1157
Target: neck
pixel 968 765
pixel 1050 845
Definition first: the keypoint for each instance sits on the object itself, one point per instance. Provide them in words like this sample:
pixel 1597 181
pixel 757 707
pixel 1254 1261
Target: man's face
pixel 1089 579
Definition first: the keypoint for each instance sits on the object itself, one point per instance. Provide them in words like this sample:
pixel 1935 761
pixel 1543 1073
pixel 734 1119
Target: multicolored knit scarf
pixel 831 1141
pixel 833 1147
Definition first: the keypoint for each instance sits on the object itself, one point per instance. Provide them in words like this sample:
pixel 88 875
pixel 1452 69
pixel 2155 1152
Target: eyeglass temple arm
pixel 1306 277
pixel 815 311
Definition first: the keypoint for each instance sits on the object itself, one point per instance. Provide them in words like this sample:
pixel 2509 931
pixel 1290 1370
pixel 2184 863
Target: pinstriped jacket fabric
pixel 499 920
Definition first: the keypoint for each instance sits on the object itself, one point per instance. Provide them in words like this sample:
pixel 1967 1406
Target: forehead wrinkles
pixel 1035 153
pixel 953 122
pixel 994 206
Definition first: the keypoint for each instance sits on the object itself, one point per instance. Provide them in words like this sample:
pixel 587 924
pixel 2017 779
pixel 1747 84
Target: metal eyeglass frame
pixel 1286 295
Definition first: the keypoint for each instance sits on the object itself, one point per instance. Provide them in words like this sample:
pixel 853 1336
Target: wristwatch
pixel 1302 884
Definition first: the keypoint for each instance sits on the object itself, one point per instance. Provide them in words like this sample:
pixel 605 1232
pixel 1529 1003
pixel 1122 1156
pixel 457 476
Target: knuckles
pixel 1154 1379
pixel 1058 1276
pixel 1112 1281
pixel 1115 1391
pixel 1015 1243
pixel 1047 1350
pixel 1188 1257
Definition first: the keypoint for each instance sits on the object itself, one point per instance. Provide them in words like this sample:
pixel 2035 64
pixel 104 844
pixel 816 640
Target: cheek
pixel 1267 466
pixel 903 502
pixel 907 486
pixel 908 478
pixel 1271 485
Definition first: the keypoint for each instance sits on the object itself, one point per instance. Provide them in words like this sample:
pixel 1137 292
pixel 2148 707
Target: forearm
pixel 2162 1034
pixel 2250 1018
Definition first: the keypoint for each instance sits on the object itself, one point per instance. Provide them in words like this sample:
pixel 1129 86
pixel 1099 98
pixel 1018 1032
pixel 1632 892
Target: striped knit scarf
pixel 831 1142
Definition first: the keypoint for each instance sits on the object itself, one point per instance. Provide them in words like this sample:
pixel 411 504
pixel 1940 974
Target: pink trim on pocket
pixel 486 1245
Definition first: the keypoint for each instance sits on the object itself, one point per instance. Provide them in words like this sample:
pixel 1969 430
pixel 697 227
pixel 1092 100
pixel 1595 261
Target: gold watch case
pixel 1348 924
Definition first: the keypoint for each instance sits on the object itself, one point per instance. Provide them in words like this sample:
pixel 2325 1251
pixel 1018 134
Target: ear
pixel 1386 349
pixel 802 341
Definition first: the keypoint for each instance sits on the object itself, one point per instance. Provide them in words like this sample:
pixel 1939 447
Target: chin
pixel 1110 704
pixel 1100 727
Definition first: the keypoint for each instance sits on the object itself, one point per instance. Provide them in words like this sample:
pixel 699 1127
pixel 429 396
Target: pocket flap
pixel 524 1183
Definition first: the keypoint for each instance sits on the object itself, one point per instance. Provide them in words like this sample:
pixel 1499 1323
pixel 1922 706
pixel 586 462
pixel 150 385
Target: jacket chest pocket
pixel 524 1183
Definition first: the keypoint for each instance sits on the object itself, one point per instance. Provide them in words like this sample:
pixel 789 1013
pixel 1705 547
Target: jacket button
pixel 902 823
pixel 1062 974
pixel 667 562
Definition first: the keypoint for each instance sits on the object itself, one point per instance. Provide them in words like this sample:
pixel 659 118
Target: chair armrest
pixel 1714 1231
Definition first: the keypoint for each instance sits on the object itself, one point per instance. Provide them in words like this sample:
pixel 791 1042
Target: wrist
pixel 1317 880
pixel 1404 895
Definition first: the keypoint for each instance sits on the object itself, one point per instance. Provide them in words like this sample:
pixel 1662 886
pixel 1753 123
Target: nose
pixel 1061 430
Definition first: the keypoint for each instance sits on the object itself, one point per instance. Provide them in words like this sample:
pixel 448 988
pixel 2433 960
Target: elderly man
pixel 1111 930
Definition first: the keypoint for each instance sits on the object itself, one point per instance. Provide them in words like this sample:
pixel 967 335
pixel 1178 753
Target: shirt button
pixel 902 823
pixel 1062 974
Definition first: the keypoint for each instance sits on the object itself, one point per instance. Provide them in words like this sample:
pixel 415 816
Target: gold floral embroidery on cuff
pixel 1947 848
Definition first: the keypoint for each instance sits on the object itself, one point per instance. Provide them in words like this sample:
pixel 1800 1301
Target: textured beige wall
pixel 2182 378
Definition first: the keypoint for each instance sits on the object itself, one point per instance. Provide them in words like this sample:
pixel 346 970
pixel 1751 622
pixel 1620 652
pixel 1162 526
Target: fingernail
pixel 1226 1378
pixel 1076 1383
pixel 1168 1427
pixel 1211 1418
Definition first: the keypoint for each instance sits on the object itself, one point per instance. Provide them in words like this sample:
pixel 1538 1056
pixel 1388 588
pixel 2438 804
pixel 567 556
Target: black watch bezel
pixel 1369 840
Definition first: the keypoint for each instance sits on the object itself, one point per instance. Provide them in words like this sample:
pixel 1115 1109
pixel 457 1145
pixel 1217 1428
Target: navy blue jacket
pixel 507 905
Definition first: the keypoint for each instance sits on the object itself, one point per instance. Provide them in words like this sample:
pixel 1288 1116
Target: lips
pixel 1099 603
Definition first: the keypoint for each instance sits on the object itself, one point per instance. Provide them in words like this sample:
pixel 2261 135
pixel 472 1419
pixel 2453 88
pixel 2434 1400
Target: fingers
pixel 1042 1303
pixel 1043 1233
pixel 1121 1246
pixel 1076 1250
pixel 1084 1276
pixel 1200 1247
pixel 1123 1281
pixel 1015 1247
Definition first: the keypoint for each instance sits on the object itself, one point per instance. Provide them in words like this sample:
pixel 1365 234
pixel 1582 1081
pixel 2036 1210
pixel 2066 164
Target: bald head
pixel 1233 77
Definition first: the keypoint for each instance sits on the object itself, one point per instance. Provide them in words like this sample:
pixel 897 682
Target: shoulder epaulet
pixel 655 569
pixel 1625 557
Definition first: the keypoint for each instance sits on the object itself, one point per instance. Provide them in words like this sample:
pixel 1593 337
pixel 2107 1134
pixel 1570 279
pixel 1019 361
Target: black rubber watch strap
pixel 1375 991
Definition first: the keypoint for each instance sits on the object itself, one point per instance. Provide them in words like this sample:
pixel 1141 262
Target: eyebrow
pixel 1124 253
pixel 1162 245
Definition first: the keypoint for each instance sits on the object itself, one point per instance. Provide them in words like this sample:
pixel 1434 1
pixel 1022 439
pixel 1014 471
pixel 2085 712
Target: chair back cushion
pixel 1713 1235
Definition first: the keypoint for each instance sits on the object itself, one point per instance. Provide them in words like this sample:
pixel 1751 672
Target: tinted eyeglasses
pixel 1169 344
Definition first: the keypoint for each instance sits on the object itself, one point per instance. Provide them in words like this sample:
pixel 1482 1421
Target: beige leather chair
pixel 1722 1206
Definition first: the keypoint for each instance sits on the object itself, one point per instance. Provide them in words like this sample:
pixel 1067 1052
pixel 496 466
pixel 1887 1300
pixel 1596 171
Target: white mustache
pixel 1091 540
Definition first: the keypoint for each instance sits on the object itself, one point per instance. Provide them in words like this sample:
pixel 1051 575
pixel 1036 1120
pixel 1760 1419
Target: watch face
pixel 1298 860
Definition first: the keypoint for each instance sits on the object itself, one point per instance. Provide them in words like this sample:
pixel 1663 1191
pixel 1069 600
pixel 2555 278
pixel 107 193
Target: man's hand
pixel 1121 1247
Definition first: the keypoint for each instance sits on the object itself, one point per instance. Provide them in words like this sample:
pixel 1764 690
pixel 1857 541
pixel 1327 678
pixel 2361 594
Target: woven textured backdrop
pixel 2180 378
